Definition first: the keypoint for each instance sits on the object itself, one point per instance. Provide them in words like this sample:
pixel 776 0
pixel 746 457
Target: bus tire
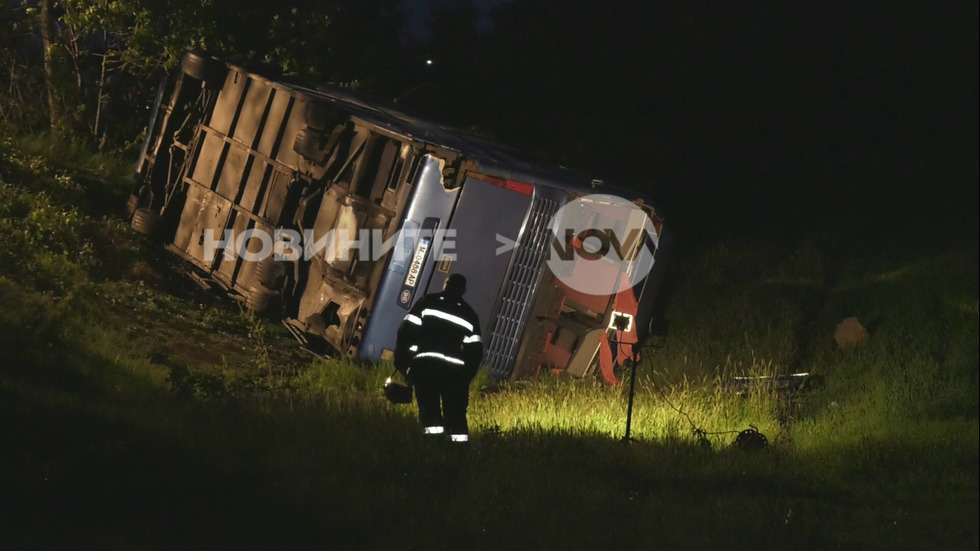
pixel 132 205
pixel 258 299
pixel 318 116
pixel 269 273
pixel 308 145
pixel 210 71
pixel 147 222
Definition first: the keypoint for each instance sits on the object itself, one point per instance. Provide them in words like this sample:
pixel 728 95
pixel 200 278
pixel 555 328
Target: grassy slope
pixel 136 412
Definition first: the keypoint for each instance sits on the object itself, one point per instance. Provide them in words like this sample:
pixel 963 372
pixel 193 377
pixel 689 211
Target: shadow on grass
pixel 106 457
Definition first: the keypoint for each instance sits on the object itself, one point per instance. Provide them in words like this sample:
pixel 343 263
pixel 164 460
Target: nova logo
pixel 601 244
pixel 594 244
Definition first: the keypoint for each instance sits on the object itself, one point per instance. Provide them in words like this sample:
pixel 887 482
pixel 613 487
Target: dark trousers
pixel 443 394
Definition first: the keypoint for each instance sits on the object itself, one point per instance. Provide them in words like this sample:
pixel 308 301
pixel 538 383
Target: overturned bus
pixel 337 215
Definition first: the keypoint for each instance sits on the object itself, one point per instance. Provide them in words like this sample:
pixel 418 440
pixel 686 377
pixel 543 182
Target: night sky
pixel 756 117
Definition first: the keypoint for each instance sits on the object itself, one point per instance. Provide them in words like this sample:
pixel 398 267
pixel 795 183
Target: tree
pixel 47 42
pixel 102 59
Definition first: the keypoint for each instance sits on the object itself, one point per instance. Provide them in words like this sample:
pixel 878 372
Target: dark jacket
pixel 440 329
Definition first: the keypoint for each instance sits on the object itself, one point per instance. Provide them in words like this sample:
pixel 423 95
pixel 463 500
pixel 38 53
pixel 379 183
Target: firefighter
pixel 439 351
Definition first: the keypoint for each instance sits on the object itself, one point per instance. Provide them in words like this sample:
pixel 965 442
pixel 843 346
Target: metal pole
pixel 629 409
pixel 659 330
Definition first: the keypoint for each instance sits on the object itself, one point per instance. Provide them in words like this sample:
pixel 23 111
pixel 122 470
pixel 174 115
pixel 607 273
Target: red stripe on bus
pixel 512 185
pixel 519 187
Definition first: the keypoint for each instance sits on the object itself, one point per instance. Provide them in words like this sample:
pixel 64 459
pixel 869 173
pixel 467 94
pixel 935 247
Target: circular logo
pixel 601 244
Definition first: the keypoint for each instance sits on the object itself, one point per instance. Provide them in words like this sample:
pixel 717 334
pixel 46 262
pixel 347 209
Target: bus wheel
pixel 210 71
pixel 318 116
pixel 269 273
pixel 132 204
pixel 147 222
pixel 258 299
pixel 308 144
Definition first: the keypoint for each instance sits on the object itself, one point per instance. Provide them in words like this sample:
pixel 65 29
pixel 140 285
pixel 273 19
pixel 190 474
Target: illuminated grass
pixel 592 407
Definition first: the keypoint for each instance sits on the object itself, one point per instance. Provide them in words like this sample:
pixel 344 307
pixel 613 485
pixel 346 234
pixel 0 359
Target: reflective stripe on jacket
pixel 440 328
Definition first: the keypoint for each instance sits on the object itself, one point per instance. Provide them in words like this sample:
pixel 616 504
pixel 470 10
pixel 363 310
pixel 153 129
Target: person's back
pixel 439 350
pixel 446 324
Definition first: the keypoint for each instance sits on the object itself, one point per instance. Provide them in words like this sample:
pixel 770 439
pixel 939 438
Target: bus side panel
pixel 429 199
pixel 486 217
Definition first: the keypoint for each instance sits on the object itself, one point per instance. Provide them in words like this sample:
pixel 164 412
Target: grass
pixel 137 412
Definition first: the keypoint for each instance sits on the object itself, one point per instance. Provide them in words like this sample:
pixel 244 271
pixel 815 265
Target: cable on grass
pixel 748 439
